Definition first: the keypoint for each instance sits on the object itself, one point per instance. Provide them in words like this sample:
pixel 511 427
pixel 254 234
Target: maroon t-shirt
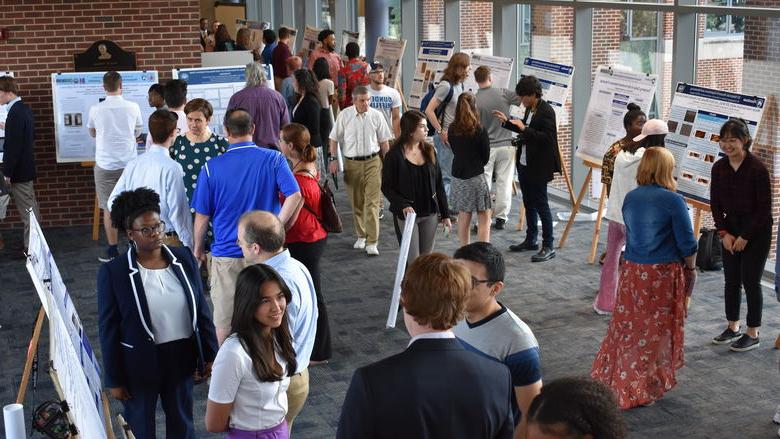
pixel 279 60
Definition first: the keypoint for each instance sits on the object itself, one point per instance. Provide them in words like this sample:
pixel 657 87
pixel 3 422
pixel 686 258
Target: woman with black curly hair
pixel 156 331
pixel 575 408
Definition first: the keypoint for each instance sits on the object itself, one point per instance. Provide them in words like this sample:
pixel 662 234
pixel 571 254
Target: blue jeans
pixel 536 207
pixel 444 155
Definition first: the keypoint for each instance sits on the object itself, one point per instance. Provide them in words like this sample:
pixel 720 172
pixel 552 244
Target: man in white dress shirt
pixel 115 123
pixel 156 170
pixel 362 133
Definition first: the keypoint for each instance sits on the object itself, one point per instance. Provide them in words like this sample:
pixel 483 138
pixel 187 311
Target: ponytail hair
pixel 298 138
pixel 466 121
pixel 634 111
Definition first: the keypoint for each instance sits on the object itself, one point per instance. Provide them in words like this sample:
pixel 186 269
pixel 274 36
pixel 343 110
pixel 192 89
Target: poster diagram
pixel 695 118
pixel 431 61
pixel 389 52
pixel 500 69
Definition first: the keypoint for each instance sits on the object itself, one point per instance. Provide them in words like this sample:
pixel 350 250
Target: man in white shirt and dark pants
pixel 156 170
pixel 362 133
pixel 114 123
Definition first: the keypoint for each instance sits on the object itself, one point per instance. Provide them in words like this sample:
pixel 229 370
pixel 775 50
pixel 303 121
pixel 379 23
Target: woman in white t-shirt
pixel 248 390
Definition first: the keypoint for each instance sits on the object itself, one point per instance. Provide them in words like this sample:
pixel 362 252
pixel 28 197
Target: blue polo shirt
pixel 244 178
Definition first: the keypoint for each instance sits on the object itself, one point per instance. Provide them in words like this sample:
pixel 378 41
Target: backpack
pixel 330 219
pixel 439 110
pixel 710 254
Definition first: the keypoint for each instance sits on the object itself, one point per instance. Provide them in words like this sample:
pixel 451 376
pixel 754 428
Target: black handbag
pixel 710 254
pixel 330 219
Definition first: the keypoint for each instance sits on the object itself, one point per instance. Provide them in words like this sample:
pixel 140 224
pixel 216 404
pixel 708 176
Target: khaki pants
pixel 296 395
pixel 363 179
pixel 24 197
pixel 224 273
pixel 172 241
pixel 502 163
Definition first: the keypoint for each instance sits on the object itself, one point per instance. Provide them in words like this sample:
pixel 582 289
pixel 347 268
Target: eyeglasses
pixel 148 231
pixel 475 282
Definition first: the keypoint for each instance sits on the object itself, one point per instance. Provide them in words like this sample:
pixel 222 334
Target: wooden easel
pixel 591 165
pixel 698 208
pixel 96 208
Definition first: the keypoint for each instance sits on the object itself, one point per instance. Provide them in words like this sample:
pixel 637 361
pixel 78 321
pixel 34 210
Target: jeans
pixel 444 155
pixel 536 207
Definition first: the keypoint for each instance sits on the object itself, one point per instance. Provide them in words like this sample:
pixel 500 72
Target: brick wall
pixel 431 20
pixel 44 36
pixel 476 26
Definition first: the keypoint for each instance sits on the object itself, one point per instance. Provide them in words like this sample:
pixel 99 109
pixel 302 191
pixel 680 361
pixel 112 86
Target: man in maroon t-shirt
pixel 279 56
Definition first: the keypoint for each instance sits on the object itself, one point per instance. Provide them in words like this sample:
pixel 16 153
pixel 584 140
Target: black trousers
pixel 309 254
pixel 536 207
pixel 744 269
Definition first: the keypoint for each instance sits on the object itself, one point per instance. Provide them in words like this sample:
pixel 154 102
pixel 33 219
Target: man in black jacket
pixel 537 160
pixel 18 161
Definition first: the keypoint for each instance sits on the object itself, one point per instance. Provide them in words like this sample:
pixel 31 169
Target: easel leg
pixel 597 231
pixel 96 220
pixel 521 219
pixel 575 208
pixel 107 416
pixel 566 176
pixel 30 354
pixel 696 222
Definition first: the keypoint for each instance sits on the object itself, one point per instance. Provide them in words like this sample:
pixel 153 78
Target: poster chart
pixel 217 85
pixel 3 112
pixel 75 93
pixel 500 70
pixel 431 61
pixel 556 82
pixel 346 38
pixel 310 42
pixel 695 118
pixel 613 89
pixel 72 356
pixel 390 51
pixel 256 29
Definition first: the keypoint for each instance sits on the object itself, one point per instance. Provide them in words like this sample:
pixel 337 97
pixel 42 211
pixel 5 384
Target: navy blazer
pixel 18 161
pixel 125 327
pixel 434 389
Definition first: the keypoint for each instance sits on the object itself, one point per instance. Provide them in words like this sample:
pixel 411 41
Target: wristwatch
pixel 332 159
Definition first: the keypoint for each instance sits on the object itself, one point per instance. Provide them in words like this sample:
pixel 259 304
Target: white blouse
pixel 168 307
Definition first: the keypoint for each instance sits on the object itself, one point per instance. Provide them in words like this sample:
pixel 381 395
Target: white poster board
pixel 72 356
pixel 400 270
pixel 73 94
pixel 695 118
pixel 256 29
pixel 310 42
pixel 500 70
pixel 431 61
pixel 389 52
pixel 346 38
pixel 226 59
pixel 3 112
pixel 556 82
pixel 612 91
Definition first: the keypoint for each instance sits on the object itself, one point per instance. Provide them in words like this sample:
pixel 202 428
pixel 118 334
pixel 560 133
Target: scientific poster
pixel 613 89
pixel 695 118
pixel 310 42
pixel 431 61
pixel 256 29
pixel 74 94
pixel 389 52
pixel 3 113
pixel 500 69
pixel 346 38
pixel 217 85
pixel 556 82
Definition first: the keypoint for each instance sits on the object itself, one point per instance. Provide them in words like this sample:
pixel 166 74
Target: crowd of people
pixel 239 219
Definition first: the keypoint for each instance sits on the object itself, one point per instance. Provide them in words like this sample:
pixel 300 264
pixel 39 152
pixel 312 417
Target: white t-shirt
pixel 116 122
pixel 257 405
pixel 385 100
pixel 325 89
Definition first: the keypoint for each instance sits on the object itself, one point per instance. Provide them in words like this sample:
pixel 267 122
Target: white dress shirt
pixel 360 134
pixel 168 306
pixel 433 335
pixel 156 170
pixel 117 122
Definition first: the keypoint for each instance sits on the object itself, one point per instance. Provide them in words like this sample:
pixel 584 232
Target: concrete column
pixel 409 19
pixel 506 22
pixel 581 86
pixel 377 24
pixel 452 22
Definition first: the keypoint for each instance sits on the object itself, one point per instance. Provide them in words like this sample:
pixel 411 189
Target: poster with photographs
pixel 346 38
pixel 500 70
pixel 613 89
pixel 556 82
pixel 256 29
pixel 389 52
pixel 431 61
pixel 310 42
pixel 3 113
pixel 695 118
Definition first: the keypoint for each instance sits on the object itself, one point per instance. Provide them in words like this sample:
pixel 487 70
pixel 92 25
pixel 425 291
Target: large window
pixel 725 24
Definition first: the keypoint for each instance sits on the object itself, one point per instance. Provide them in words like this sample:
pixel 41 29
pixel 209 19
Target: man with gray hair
pixel 362 132
pixel 266 105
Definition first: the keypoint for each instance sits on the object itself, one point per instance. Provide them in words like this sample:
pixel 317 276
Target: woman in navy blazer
pixel 156 331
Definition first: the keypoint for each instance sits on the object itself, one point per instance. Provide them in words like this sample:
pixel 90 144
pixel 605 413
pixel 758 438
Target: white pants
pixel 502 163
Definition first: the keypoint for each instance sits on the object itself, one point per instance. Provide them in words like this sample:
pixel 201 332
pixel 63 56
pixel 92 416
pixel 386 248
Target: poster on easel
pixel 256 29
pixel 389 52
pixel 500 70
pixel 432 58
pixel 346 38
pixel 695 118
pixel 73 359
pixel 73 94
pixel 556 82
pixel 310 42
pixel 3 113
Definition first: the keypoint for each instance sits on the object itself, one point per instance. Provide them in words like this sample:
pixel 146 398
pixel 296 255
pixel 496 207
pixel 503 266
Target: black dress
pixel 308 113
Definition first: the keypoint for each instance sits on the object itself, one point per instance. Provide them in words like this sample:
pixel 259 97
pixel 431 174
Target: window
pixel 725 24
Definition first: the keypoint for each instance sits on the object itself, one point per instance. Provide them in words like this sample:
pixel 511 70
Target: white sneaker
pixel 360 244
pixel 372 250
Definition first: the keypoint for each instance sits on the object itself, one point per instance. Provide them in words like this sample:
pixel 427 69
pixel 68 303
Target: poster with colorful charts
pixel 431 61
pixel 695 118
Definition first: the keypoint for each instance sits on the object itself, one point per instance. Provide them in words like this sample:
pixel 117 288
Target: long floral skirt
pixel 643 347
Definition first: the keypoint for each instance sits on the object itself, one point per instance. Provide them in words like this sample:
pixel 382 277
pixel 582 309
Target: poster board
pixel 346 38
pixel 556 82
pixel 293 37
pixel 500 69
pixel 390 52
pixel 73 94
pixel 695 118
pixel 432 58
pixel 256 29
pixel 310 42
pixel 217 85
pixel 613 89
pixel 226 59
pixel 73 359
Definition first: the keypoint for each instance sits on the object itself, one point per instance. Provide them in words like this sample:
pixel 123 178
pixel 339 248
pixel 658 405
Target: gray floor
pixel 720 394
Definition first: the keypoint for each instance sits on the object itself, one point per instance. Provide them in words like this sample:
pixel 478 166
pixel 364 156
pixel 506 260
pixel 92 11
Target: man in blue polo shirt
pixel 494 331
pixel 244 178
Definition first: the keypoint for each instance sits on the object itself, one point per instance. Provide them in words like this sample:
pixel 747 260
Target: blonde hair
pixel 657 166
pixel 435 289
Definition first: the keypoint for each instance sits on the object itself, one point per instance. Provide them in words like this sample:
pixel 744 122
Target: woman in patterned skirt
pixel 643 347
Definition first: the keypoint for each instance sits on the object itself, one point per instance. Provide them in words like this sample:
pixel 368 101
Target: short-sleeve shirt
pixel 354 73
pixel 115 121
pixel 608 163
pixel 360 133
pixel 244 178
pixel 325 89
pixel 268 109
pixel 257 405
pixel 307 227
pixel 384 100
pixel 505 338
pixel 441 94
pixel 192 156
pixel 333 58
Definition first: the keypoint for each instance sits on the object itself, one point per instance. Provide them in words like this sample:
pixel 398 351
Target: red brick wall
pixel 44 35
pixel 431 20
pixel 476 25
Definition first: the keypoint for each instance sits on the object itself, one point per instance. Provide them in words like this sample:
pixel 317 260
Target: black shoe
pixel 745 343
pixel 727 336
pixel 545 254
pixel 500 223
pixel 523 246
